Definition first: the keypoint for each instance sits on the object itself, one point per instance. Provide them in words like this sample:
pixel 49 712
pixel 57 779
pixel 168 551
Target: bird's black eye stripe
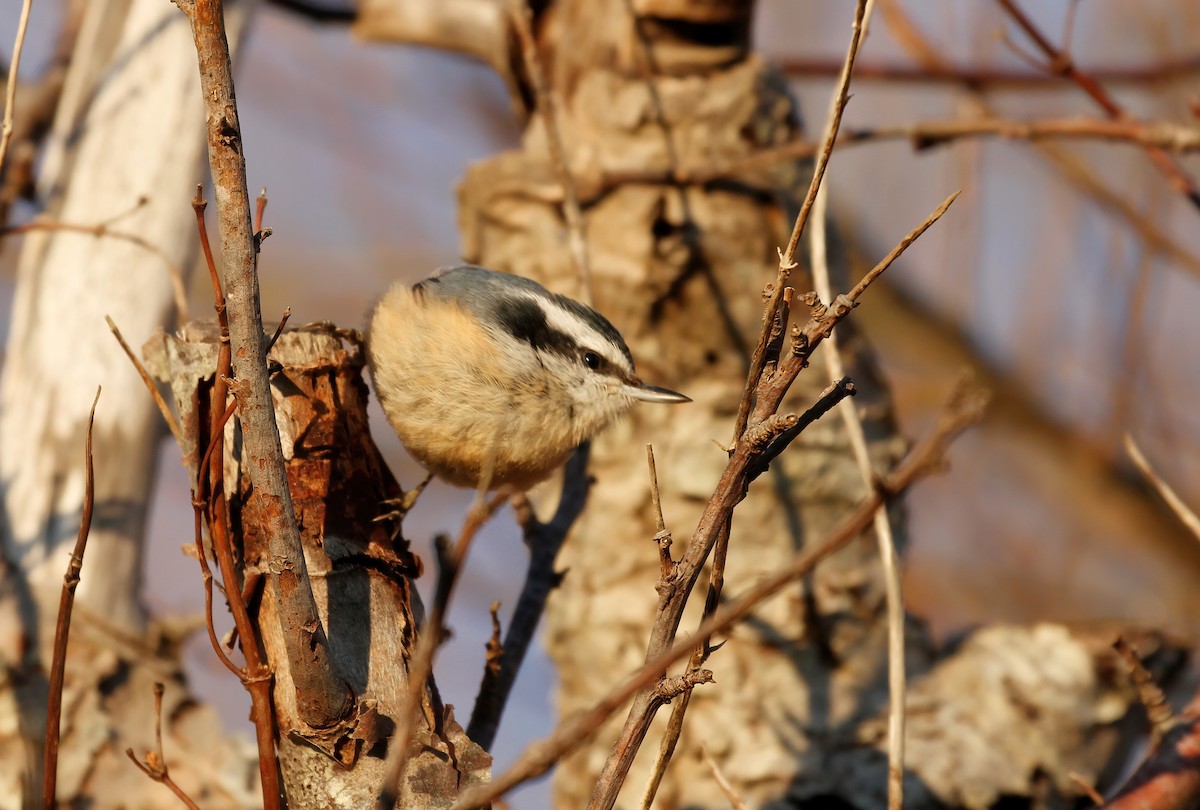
pixel 525 320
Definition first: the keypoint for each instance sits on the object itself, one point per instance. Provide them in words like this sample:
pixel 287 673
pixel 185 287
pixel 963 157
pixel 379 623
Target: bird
pixel 491 380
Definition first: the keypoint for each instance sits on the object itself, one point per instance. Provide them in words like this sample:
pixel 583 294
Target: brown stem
pixel 155 765
pixel 62 628
pixel 965 409
pixel 256 678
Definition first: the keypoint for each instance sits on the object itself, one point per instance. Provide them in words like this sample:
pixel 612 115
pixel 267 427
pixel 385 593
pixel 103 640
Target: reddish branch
pixel 62 629
pixel 256 677
pixel 155 765
pixel 1062 64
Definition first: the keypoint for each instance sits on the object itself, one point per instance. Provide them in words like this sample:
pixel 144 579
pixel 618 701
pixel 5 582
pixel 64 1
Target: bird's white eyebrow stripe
pixel 576 327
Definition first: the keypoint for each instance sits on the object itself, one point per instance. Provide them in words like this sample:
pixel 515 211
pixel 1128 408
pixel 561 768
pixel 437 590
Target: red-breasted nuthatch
pixel 490 377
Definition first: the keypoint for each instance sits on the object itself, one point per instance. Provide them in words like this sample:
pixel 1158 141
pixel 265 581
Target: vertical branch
pixel 544 541
pixel 322 697
pixel 897 686
pixel 10 94
pixel 256 677
pixel 58 662
pixel 787 257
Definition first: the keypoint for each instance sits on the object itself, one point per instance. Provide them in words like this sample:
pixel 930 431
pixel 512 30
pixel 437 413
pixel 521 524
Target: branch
pixel 787 262
pixel 155 765
pixel 62 629
pixel 897 686
pixel 1062 64
pixel 10 93
pixel 421 667
pixel 544 541
pixel 323 699
pixel 1165 70
pixel 256 678
pixel 965 409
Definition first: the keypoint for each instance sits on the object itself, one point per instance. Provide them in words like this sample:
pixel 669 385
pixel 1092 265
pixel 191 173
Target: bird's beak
pixel 652 393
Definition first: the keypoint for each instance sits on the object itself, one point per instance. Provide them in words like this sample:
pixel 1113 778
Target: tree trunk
pixel 679 269
pixel 361 569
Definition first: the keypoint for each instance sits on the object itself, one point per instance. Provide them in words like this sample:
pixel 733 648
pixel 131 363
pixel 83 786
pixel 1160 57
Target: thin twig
pixel 62 628
pixel 1167 69
pixel 897 687
pixel 787 257
pixel 767 437
pixel 10 93
pixel 1062 63
pixel 734 799
pixel 547 107
pixel 104 230
pixel 421 667
pixel 1186 516
pixel 256 678
pixel 544 541
pixel 964 410
pixel 155 765
pixel 163 408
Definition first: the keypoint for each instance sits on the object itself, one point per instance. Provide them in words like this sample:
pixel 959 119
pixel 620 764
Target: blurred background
pixel 1066 276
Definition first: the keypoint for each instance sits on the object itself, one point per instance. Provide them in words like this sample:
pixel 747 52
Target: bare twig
pixel 544 541
pixel 1062 64
pixel 1086 786
pixel 62 628
pixel 547 107
pixel 163 408
pixel 1186 516
pixel 155 765
pixel 421 667
pixel 10 93
pixel 735 800
pixel 767 438
pixel 787 257
pixel 326 699
pixel 964 410
pixel 1167 69
pixel 105 230
pixel 897 687
pixel 256 678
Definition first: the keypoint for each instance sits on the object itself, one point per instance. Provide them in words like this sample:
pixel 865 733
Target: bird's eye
pixel 592 360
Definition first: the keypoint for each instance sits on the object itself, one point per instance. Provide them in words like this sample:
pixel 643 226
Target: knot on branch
pixel 759 435
pixel 674 686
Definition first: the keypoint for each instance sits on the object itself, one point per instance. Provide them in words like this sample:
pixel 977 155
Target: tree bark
pixel 360 569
